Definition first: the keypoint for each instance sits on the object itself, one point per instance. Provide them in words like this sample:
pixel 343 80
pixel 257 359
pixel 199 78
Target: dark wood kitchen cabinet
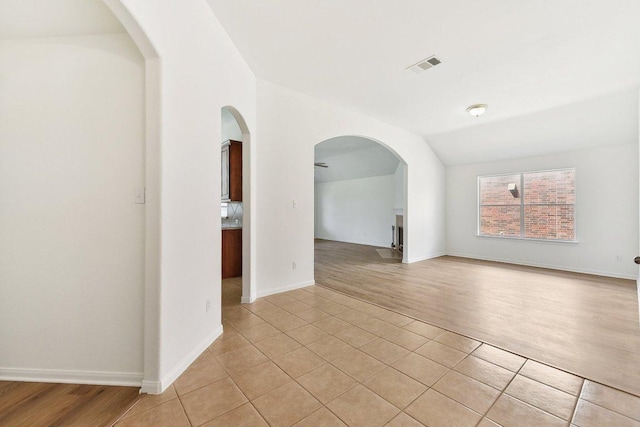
pixel 231 171
pixel 231 253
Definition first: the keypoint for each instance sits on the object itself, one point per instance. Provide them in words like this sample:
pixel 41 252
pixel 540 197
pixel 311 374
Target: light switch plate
pixel 140 195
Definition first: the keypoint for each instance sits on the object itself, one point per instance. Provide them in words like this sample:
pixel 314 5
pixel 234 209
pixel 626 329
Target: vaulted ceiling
pixel 557 75
pixel 571 67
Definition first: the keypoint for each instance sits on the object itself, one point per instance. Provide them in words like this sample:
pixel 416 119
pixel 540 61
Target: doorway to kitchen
pixel 235 208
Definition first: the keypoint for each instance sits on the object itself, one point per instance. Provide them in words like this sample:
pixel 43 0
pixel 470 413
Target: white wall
pixel 398 178
pixel 356 210
pixel 200 72
pixel 72 238
pixel 606 213
pixel 290 124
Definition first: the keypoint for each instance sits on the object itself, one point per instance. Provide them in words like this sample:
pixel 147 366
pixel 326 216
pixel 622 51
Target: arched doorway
pixel 360 195
pixel 238 212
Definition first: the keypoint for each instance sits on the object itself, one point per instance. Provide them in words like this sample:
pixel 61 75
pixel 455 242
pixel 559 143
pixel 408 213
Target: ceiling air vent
pixel 425 64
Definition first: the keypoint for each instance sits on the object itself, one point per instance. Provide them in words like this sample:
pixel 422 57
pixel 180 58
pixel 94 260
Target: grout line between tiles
pixel 575 408
pixel 531 405
pixel 129 409
pixel 410 351
pixel 501 393
pixel 328 288
pixel 357 381
pixel 552 386
pixel 272 361
pixel 356 310
pixel 184 410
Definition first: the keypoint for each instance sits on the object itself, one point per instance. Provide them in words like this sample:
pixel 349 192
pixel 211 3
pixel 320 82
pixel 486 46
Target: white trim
pixel 151 387
pixel 157 387
pixel 638 289
pixel 268 292
pixel 72 377
pixel 530 239
pixel 153 178
pixel 522 205
pixel 424 258
pixel 375 245
pixel 549 266
pixel 247 300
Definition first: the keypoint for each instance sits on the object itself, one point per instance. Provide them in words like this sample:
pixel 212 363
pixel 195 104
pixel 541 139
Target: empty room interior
pixel 429 213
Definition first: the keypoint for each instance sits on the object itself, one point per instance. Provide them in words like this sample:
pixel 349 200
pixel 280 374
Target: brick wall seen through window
pixel 533 205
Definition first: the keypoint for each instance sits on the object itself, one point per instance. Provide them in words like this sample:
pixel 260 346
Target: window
pixel 530 205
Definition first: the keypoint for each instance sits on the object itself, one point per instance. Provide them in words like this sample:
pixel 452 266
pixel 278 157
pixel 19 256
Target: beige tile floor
pixel 315 357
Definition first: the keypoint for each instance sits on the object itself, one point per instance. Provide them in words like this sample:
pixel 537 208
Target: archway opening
pixel 236 208
pixel 360 199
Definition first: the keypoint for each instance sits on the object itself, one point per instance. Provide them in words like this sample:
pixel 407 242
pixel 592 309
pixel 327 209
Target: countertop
pixel 231 227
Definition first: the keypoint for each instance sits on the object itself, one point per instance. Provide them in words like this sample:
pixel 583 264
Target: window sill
pixel 527 239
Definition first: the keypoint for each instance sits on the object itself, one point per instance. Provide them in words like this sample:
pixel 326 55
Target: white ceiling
pixel 521 58
pixel 55 18
pixel 610 119
pixel 556 75
pixel 352 157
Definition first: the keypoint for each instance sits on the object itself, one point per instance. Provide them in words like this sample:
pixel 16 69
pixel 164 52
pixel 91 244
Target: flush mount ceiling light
pixel 477 109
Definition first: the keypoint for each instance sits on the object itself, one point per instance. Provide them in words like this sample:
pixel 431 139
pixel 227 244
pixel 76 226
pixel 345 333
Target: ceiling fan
pixel 321 165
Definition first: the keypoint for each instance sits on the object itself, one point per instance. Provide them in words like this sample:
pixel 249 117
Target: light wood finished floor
pixel 584 324
pixel 39 404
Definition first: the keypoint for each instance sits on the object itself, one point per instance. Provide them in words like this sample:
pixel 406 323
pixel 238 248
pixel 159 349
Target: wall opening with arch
pixel 291 125
pixel 360 194
pixel 234 127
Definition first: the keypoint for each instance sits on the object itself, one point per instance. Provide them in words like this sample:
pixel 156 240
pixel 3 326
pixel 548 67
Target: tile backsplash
pixel 234 214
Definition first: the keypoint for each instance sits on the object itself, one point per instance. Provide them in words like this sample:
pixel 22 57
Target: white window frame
pixel 521 190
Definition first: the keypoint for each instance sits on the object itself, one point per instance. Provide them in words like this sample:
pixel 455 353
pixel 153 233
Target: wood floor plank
pixel 47 404
pixel 581 323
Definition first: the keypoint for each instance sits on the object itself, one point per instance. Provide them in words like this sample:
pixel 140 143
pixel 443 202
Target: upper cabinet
pixel 231 171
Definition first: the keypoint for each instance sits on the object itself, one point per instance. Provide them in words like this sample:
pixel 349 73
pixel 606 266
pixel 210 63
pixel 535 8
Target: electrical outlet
pixel 293 265
pixel 619 258
pixel 208 306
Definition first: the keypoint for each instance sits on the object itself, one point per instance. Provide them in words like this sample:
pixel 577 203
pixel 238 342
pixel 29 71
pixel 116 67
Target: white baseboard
pixel 549 266
pixel 281 289
pixel 248 300
pixel 157 387
pixel 382 245
pixel 638 288
pixel 424 258
pixel 151 387
pixel 133 379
